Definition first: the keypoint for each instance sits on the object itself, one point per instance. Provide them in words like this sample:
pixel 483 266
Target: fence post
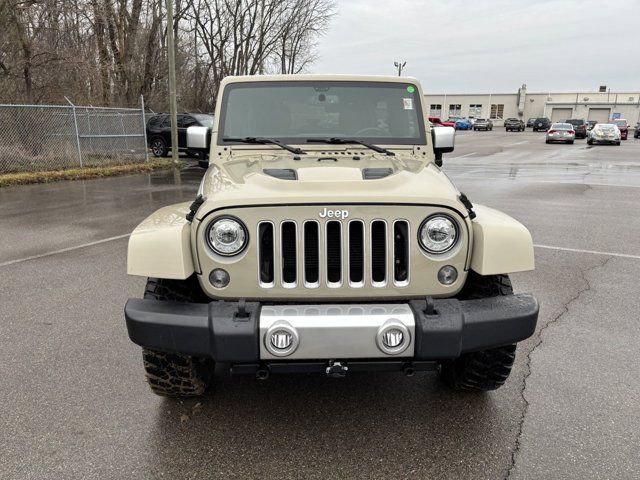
pixel 75 122
pixel 144 130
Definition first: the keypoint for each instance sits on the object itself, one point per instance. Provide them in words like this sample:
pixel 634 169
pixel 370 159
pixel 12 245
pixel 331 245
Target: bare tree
pixel 111 51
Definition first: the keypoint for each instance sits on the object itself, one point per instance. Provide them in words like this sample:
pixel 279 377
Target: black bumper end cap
pixel 219 330
pixel 461 326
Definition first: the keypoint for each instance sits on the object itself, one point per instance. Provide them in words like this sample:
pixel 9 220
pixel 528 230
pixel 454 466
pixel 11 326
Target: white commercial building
pixel 602 106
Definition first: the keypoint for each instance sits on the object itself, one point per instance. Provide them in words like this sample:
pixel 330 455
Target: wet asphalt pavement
pixel 74 403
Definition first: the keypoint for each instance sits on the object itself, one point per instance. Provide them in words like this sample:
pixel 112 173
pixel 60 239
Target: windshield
pixel 205 120
pixel 562 126
pixel 621 123
pixel 294 111
pixel 576 122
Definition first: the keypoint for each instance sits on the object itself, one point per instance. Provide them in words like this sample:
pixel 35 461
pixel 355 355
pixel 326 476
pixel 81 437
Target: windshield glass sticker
pixel 410 89
pixel 407 103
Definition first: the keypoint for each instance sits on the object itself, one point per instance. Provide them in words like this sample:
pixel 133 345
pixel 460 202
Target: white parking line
pixel 517 143
pixel 63 250
pixel 592 252
pixel 463 156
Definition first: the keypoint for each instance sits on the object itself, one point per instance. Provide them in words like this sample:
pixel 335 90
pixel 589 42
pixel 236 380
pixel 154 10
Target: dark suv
pixel 580 127
pixel 514 125
pixel 159 132
pixel 541 124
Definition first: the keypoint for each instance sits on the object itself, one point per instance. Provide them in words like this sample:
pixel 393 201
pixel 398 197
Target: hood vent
pixel 376 173
pixel 282 173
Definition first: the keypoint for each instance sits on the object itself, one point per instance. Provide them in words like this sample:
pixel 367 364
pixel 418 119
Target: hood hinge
pixel 467 204
pixel 194 207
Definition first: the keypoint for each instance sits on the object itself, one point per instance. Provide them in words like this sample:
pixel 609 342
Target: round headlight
pixel 438 234
pixel 227 236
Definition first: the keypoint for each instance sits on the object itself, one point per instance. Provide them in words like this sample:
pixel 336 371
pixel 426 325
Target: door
pixel 561 114
pixel 600 115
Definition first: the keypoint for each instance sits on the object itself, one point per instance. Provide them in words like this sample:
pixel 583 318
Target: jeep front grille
pixel 333 253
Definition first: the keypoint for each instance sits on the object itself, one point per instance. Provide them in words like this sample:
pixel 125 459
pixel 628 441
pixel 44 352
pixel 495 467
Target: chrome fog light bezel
pixel 393 324
pixel 283 326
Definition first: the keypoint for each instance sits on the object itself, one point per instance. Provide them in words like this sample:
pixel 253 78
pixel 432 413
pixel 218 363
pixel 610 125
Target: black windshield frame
pixel 420 140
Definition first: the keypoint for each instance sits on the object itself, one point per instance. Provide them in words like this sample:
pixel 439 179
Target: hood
pixel 325 178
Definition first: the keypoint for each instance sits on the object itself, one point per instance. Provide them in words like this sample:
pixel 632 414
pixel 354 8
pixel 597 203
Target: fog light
pixel 447 275
pixel 392 338
pixel 281 339
pixel 219 278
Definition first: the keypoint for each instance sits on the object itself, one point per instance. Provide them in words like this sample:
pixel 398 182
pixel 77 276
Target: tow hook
pixel 336 369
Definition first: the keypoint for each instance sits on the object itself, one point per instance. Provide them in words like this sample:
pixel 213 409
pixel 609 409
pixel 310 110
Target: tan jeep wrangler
pixel 325 238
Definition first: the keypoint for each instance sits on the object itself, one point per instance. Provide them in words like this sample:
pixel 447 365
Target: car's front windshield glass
pixel 294 111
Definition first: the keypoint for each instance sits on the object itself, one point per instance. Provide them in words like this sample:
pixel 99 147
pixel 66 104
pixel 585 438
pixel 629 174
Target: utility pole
pixel 173 106
pixel 399 65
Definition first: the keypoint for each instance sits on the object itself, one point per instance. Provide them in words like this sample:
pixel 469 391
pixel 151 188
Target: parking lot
pixel 75 403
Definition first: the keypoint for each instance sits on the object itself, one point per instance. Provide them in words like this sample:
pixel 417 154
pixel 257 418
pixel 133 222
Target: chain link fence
pixel 54 137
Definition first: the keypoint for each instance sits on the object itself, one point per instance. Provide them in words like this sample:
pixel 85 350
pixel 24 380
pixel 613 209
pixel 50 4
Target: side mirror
pixel 198 138
pixel 443 142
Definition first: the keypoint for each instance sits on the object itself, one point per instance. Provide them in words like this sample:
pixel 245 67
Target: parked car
pixel 579 125
pixel 562 133
pixel 604 133
pixel 541 124
pixel 464 124
pixel 591 124
pixel 514 125
pixel 483 124
pixel 437 122
pixel 636 133
pixel 262 274
pixel 159 133
pixel 623 126
pixel 530 122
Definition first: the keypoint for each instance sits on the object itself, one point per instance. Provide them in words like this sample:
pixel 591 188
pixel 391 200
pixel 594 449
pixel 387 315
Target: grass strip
pixel 23 178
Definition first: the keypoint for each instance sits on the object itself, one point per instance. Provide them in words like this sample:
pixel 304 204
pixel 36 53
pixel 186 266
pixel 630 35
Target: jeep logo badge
pixel 334 213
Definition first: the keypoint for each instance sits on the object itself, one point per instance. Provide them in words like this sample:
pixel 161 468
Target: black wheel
pixel 172 374
pixel 159 147
pixel 547 141
pixel 486 369
pixel 589 142
pixel 571 142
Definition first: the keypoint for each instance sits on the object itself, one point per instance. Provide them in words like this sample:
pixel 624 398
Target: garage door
pixel 600 115
pixel 561 114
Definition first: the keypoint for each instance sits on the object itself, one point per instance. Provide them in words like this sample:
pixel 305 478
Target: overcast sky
pixel 458 46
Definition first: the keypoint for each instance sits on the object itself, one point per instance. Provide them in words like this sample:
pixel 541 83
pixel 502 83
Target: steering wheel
pixel 370 129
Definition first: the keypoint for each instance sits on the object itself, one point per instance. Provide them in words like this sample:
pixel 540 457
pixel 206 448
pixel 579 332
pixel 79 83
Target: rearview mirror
pixel 443 142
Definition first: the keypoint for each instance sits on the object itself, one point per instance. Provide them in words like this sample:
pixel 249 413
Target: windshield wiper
pixel 264 141
pixel 343 141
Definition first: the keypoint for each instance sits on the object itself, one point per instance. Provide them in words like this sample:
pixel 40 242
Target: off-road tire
pixel 173 374
pixel 487 369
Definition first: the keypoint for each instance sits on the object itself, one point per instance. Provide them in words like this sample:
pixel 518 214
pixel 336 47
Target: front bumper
pixel 231 332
